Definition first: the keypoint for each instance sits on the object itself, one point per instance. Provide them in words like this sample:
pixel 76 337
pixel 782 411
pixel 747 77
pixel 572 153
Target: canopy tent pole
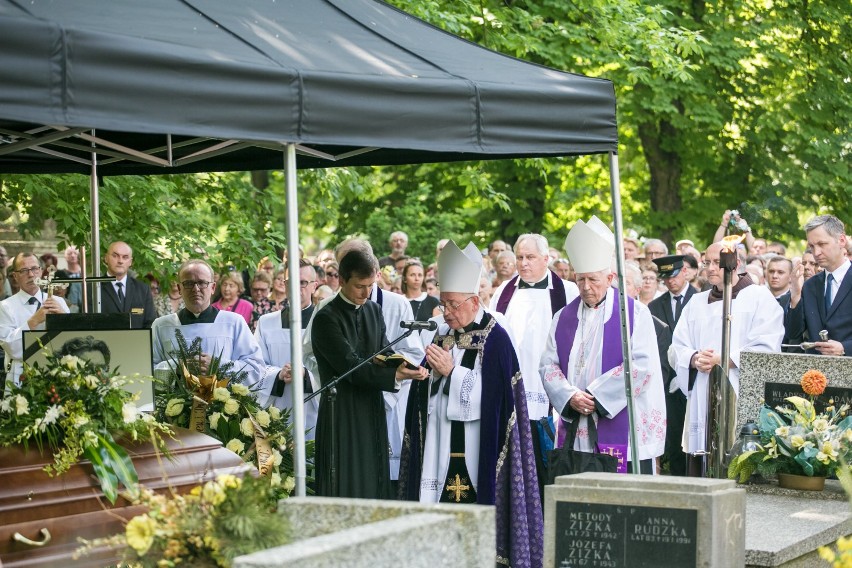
pixel 96 234
pixel 293 292
pixel 622 295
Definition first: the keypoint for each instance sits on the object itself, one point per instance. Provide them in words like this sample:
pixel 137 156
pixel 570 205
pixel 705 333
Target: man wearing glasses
pixel 25 310
pixel 757 324
pixel 221 332
pixel 468 437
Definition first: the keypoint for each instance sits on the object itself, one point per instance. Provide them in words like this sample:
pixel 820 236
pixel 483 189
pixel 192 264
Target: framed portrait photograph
pixel 126 351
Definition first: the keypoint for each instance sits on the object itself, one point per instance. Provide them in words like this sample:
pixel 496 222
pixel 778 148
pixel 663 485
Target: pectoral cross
pixel 615 453
pixel 459 489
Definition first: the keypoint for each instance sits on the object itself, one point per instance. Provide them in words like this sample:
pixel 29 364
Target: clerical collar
pixel 540 285
pixel 348 301
pixel 596 306
pixel 186 317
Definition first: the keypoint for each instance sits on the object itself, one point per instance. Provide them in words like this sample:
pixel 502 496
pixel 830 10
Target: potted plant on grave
pixel 799 445
pixel 217 403
pixel 77 410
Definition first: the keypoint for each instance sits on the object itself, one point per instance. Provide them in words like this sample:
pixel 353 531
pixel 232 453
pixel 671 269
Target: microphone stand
pixel 331 387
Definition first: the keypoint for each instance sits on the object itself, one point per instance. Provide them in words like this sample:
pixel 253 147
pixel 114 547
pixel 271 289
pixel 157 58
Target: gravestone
pixel 608 520
pixel 772 377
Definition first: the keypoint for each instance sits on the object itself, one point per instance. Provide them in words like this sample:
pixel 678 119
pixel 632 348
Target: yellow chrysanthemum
pixel 139 533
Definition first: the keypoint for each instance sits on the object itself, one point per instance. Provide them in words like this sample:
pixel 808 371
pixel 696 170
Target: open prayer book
pixel 395 360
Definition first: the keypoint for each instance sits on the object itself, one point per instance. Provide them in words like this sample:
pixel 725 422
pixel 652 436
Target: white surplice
pixel 607 385
pixel 274 341
pixel 228 335
pixel 757 324
pixel 529 315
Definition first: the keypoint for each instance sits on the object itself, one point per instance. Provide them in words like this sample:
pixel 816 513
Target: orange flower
pixel 813 383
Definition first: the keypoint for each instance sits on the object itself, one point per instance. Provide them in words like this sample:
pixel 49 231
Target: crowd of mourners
pixel 525 354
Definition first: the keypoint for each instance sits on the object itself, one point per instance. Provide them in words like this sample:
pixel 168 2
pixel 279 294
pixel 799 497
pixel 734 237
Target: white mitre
pixel 459 270
pixel 590 246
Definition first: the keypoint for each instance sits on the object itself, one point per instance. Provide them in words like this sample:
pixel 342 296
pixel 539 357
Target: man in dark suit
pixel 668 308
pixel 126 294
pixel 824 301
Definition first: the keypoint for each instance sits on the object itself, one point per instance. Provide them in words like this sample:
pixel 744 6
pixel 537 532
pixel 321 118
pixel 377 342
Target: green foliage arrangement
pixel 798 440
pixel 213 524
pixel 218 404
pixel 77 410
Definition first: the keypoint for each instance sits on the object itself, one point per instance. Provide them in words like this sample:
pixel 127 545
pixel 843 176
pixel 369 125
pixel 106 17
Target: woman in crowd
pixel 279 290
pixel 423 305
pixel 321 294
pixel 505 267
pixel 485 290
pixel 650 288
pixel 171 302
pixel 332 275
pixel 260 286
pixel 231 288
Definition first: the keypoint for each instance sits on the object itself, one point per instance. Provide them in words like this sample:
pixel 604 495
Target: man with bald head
pixel 126 294
pixel 223 333
pixel 757 324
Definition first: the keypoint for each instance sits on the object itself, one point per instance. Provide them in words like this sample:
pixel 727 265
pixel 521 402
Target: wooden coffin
pixel 34 505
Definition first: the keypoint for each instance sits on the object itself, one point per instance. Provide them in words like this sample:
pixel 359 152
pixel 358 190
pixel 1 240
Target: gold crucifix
pixel 459 489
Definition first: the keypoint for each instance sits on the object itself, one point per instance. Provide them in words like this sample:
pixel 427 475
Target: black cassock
pixel 341 337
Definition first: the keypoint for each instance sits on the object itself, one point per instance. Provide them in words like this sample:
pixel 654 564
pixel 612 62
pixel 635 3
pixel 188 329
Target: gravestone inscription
pixel 597 535
pixel 775 393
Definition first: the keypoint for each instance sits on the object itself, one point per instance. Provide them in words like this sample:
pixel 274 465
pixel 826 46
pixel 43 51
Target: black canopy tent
pixel 123 87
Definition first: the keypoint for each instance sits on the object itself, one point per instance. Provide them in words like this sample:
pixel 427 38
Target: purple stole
pixel 612 432
pixel 557 294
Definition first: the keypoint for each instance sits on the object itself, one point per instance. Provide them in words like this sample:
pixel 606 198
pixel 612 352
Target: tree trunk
pixel 665 168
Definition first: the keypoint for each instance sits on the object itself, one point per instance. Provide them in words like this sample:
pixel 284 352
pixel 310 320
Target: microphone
pixel 419 325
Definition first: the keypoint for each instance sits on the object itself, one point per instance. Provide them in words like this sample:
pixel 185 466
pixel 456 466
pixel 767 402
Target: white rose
pixel 21 405
pixel 6 404
pixel 275 480
pixel 274 413
pixel 231 406
pixel 262 417
pixel 290 484
pixel 174 407
pixel 276 458
pixel 129 413
pixel 246 427
pixel 221 394
pixel 91 381
pixel 70 361
pixel 236 446
pixel 239 389
pixel 214 420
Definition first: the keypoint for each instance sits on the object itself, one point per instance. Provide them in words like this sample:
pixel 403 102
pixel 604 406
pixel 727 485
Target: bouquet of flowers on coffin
pixel 799 440
pixel 218 404
pixel 77 409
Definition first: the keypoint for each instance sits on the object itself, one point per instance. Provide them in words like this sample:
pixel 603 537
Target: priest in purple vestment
pixel 467 437
pixel 582 365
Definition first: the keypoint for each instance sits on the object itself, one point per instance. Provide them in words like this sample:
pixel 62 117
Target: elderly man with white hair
pixel 582 366
pixel 529 300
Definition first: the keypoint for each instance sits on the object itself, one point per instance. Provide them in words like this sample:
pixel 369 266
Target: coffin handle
pixel 45 538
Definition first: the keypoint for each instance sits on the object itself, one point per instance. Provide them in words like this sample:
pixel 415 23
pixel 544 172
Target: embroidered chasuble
pixel 484 399
pixel 584 353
